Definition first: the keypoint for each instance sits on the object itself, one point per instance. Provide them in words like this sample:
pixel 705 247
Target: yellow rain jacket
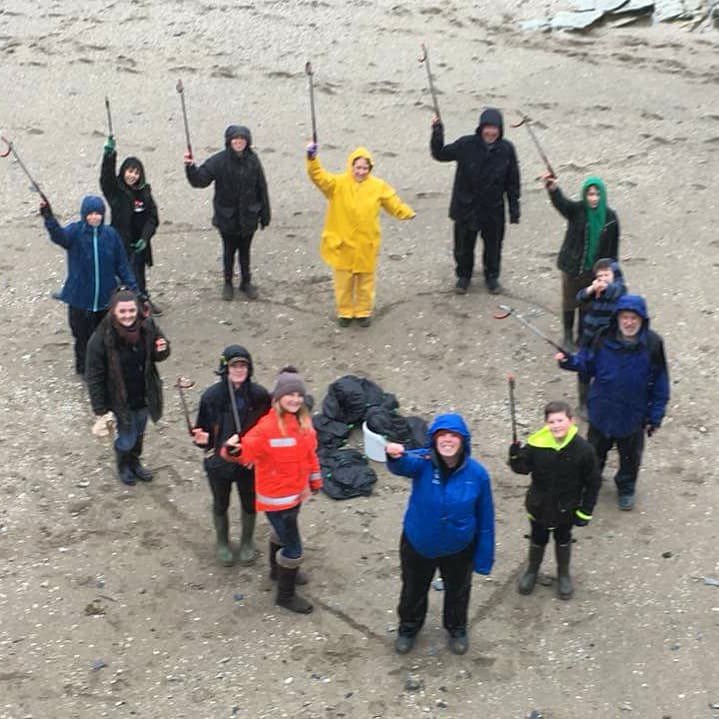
pixel 351 237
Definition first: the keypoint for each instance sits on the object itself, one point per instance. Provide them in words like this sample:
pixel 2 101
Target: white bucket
pixel 374 444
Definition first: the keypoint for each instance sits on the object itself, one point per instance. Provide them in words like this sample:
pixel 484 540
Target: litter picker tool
pixel 181 90
pixel 424 59
pixel 512 408
pixel 311 86
pixel 11 149
pixel 233 405
pixel 504 311
pixel 527 122
pixel 182 384
pixel 109 117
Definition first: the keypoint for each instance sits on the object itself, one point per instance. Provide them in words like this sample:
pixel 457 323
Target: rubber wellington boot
pixel 142 473
pixel 222 530
pixel 247 553
pixel 228 292
pixel 124 470
pixel 564 583
pixel 301 578
pixel 286 597
pixel 526 582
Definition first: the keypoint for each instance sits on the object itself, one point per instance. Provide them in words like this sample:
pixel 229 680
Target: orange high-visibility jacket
pixel 286 465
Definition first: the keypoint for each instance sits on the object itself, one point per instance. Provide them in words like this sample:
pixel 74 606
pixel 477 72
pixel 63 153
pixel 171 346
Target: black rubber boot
pixel 228 291
pixel 142 473
pixel 568 323
pixel 286 581
pixel 301 578
pixel 526 582
pixel 222 532
pixel 249 290
pixel 564 581
pixel 124 469
pixel 247 553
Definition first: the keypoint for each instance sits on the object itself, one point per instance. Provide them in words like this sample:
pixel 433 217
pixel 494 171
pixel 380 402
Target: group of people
pixel 264 441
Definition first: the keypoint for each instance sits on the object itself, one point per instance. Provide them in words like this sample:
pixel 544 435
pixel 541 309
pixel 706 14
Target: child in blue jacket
pixel 96 265
pixel 448 525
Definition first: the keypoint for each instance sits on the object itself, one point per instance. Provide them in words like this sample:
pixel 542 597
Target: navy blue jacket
pixel 446 514
pixel 598 311
pixel 630 380
pixel 96 259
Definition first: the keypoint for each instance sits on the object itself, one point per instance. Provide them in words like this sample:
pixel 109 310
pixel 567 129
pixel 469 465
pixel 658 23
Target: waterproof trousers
pixel 540 533
pixel 354 293
pixel 630 450
pixel 417 572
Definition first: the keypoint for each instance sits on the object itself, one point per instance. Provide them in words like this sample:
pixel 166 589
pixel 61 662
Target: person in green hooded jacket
pixel 592 232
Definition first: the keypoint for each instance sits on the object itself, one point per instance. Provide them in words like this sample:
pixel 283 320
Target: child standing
pixel 597 303
pixel 351 236
pixel 95 259
pixel 282 446
pixel 564 489
pixel 134 212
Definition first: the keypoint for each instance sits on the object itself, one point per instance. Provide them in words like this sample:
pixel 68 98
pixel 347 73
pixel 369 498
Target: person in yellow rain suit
pixel 351 236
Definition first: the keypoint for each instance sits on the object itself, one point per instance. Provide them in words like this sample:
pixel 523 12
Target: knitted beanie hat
pixel 288 381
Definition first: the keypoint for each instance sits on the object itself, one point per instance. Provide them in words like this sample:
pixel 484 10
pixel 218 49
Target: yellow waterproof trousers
pixel 354 293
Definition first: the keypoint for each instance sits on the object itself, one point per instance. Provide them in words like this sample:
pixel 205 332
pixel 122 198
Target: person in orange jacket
pixel 282 446
pixel 351 236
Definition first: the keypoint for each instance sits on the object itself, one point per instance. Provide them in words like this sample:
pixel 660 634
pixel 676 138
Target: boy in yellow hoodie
pixel 351 236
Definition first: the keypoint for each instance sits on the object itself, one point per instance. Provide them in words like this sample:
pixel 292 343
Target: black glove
pixel 514 219
pixel 45 209
pixel 580 519
pixel 651 429
pixel 514 450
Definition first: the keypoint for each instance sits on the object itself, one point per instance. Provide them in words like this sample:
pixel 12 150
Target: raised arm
pixel 324 180
pixel 440 151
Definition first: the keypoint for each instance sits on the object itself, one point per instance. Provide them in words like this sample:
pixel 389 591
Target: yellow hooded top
pixel 351 236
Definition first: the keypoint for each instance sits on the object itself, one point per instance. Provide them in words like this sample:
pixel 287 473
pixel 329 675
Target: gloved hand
pixel 514 218
pixel 139 246
pixel 312 151
pixel 104 425
pixel 514 450
pixel 651 429
pixel 109 145
pixel 580 519
pixel 45 209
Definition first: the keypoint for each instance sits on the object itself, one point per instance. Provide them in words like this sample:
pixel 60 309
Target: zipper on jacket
pixel 97 269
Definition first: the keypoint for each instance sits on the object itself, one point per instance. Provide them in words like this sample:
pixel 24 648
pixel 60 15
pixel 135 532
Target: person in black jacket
pixel 122 378
pixel 563 492
pixel 134 212
pixel 487 170
pixel 215 424
pixel 592 233
pixel 240 203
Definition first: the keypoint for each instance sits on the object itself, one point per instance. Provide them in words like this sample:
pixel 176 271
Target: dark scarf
pixel 130 334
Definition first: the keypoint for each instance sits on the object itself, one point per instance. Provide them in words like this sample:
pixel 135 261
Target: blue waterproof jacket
pixel 630 380
pixel 96 259
pixel 444 515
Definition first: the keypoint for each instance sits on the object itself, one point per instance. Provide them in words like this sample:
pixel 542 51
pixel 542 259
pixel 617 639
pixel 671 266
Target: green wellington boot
pixel 222 530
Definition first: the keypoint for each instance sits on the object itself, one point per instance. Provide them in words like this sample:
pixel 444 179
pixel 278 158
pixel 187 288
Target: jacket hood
pixel 544 439
pixel 451 423
pixel 594 180
pixel 233 131
pixel 132 162
pixel 92 203
pixel 491 116
pixel 632 303
pixel 233 352
pixel 356 153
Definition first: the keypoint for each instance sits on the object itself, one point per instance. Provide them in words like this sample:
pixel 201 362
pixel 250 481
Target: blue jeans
pixel 128 434
pixel 284 522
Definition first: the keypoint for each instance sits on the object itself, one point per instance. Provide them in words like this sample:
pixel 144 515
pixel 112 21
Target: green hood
pixel 544 439
pixel 596 219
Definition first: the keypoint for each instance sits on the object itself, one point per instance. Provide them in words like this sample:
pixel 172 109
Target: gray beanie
pixel 288 381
